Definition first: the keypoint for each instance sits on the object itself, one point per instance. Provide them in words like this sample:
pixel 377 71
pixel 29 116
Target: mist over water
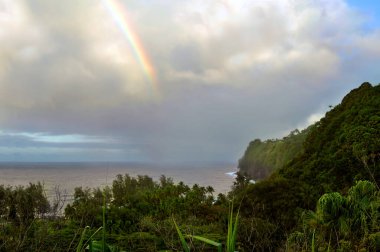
pixel 67 176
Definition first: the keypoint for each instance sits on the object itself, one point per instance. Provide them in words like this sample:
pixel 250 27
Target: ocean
pixel 67 176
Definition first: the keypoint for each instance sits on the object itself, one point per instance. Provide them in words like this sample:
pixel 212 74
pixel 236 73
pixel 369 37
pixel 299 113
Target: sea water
pixel 66 176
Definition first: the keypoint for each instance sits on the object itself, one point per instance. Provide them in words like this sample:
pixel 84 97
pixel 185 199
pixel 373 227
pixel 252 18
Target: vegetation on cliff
pixel 324 198
pixel 261 158
pixel 339 150
pixel 342 147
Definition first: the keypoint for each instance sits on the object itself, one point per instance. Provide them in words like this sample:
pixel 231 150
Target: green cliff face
pixel 337 152
pixel 263 157
pixel 344 146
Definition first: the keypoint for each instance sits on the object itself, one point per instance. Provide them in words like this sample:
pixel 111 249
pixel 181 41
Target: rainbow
pixel 119 15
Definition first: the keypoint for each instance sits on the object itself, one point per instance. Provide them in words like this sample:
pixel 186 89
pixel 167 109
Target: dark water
pixel 67 176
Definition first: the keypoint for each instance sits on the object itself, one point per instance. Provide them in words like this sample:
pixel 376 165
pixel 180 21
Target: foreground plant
pixel 231 235
pixel 94 245
pixel 82 245
pixel 343 222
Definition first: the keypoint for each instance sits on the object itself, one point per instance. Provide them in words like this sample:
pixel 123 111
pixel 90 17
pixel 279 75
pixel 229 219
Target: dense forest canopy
pixel 340 149
pixel 344 146
pixel 351 129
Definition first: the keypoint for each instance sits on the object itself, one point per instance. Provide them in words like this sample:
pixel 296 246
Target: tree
pixel 344 222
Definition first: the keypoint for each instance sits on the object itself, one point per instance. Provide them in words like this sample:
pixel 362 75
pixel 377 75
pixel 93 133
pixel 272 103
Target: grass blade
pixel 185 246
pixel 229 229
pixel 208 241
pixel 104 223
pixel 89 239
pixel 80 245
pixel 232 230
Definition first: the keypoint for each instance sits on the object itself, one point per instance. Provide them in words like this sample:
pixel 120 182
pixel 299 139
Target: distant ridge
pixel 338 151
pixel 261 158
pixel 344 146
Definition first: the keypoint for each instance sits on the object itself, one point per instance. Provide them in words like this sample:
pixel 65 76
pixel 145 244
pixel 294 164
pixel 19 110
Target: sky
pixel 174 81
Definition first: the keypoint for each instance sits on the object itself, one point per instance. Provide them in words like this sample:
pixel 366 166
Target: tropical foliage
pixel 134 214
pixel 323 196
pixel 340 149
pixel 342 223
pixel 261 158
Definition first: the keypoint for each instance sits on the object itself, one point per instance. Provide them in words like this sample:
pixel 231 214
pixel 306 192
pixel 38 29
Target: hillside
pixel 261 158
pixel 344 146
pixel 339 150
pixel 343 143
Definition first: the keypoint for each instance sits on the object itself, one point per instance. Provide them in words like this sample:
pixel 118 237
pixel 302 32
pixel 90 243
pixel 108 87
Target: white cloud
pixel 313 118
pixel 228 71
pixel 263 40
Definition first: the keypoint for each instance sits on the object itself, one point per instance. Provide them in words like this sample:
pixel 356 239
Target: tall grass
pixel 232 230
pixel 208 241
pixel 82 245
pixel 104 223
pixel 94 245
pixel 231 234
pixel 185 246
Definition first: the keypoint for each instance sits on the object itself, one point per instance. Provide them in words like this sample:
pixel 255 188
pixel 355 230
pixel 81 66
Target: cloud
pixel 227 72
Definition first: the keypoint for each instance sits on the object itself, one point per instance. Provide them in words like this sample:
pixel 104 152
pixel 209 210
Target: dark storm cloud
pixel 227 72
